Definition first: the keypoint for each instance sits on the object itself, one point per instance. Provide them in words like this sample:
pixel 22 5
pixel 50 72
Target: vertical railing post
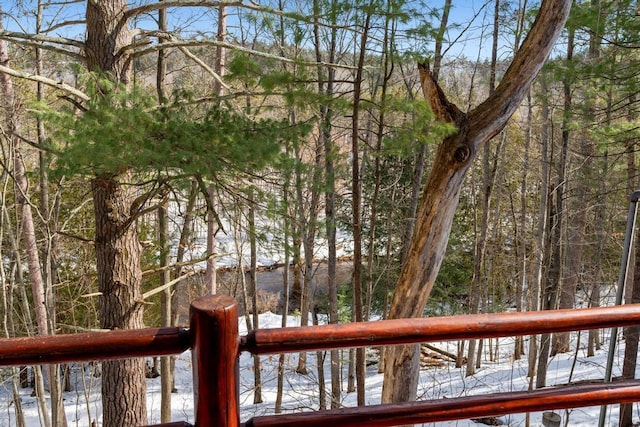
pixel 214 335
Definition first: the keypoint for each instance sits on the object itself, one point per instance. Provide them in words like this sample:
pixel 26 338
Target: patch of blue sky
pixel 468 34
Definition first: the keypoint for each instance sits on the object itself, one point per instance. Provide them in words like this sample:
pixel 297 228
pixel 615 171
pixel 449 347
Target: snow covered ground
pixel 301 392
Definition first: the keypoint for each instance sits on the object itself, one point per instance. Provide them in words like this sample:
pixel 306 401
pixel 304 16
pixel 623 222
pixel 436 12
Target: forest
pixel 450 156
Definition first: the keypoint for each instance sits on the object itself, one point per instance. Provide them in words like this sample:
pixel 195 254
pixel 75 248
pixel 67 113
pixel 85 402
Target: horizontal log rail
pixel 216 345
pixel 176 424
pixel 93 346
pixel 460 408
pixel 406 331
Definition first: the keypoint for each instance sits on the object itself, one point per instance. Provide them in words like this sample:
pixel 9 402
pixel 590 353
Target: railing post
pixel 214 335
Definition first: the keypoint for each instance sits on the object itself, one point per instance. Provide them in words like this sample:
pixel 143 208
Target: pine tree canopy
pixel 124 130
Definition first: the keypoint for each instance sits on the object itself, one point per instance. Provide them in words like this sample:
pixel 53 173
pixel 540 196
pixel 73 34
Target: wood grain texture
pixel 93 346
pixel 214 328
pixel 410 331
pixel 460 408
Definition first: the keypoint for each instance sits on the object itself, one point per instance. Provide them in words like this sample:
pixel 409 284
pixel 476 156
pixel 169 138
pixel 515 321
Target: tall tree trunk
pixel 166 371
pixel 118 254
pixel 212 218
pixel 326 87
pixel 440 198
pixel 480 274
pixel 577 225
pixel 166 365
pixel 522 242
pixel 521 236
pixel 540 253
pixel 553 281
pixel 356 202
pixel 631 333
pixel 594 342
pixel 253 278
pixel 307 217
pixel 118 250
pixel 286 224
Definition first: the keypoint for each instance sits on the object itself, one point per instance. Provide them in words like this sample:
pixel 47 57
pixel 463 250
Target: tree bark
pixel 166 371
pixel 480 273
pixel 118 254
pixel 356 203
pixel 440 197
pixel 117 247
pixel 540 253
pixel 253 279
pixel 326 87
pixel 553 282
pixel 577 225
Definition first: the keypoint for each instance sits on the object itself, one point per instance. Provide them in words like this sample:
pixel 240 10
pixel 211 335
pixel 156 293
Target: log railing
pixel 216 345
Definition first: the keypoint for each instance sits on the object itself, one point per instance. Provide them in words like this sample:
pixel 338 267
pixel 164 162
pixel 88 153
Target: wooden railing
pixel 216 345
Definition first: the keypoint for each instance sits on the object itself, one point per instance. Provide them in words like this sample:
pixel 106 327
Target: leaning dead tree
pixel 441 193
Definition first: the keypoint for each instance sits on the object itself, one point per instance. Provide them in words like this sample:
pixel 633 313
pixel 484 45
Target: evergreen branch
pixel 45 80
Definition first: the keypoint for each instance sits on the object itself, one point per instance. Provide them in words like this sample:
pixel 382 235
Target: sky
pixel 467 20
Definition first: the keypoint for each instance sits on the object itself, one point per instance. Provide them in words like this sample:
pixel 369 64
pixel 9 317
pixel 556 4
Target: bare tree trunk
pixel 212 218
pixel 326 87
pixel 356 202
pixel 594 342
pixel 577 225
pixel 557 214
pixel 631 333
pixel 285 287
pixel 440 198
pixel 521 238
pixel 185 236
pixel 320 358
pixel 166 379
pixel 307 219
pixel 539 256
pixel 253 275
pixel 166 365
pixel 480 274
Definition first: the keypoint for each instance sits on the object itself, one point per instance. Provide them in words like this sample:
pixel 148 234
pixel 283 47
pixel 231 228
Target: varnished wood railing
pixel 216 346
